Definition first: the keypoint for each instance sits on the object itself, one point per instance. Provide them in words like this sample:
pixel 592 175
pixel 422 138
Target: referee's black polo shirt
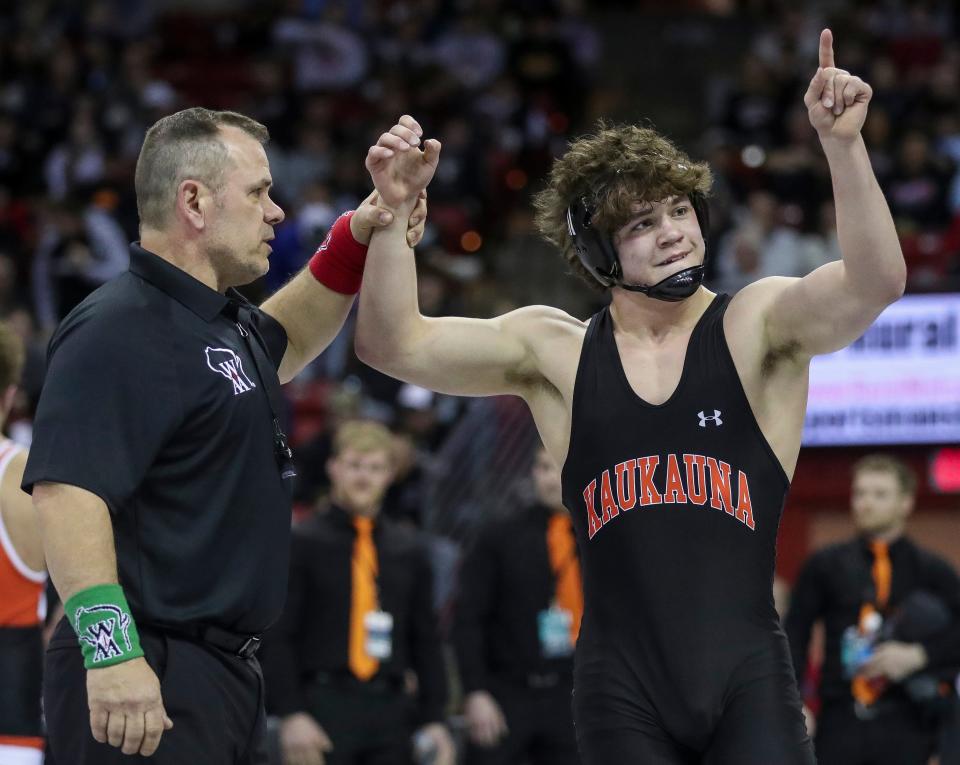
pixel 153 402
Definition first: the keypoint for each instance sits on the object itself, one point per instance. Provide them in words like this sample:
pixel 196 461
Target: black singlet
pixel 676 508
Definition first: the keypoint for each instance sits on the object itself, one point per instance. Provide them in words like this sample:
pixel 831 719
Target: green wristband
pixel 101 618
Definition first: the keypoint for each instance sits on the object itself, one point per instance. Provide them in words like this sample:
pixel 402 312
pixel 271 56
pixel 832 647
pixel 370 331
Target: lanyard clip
pixel 282 451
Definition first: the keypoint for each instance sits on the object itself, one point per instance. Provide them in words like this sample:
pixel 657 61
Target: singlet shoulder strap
pixel 709 329
pixel 585 381
pixel 9 450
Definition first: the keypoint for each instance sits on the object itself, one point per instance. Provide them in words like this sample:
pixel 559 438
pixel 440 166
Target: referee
pixel 159 470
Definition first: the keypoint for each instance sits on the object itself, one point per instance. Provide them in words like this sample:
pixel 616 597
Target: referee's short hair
pixel 887 463
pixel 181 146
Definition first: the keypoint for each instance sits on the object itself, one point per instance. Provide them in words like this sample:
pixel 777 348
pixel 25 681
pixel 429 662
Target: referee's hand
pixel 126 709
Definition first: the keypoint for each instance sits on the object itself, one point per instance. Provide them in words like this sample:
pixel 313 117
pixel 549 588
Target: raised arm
pixel 454 355
pixel 311 312
pixel 832 306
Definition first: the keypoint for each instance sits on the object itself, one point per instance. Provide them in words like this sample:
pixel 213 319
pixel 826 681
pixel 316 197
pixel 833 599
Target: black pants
pixel 369 723
pixel 759 726
pixel 540 723
pixel 21 667
pixel 215 700
pixel 899 735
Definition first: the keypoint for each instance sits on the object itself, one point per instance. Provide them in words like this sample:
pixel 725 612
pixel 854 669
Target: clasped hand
pixel 399 168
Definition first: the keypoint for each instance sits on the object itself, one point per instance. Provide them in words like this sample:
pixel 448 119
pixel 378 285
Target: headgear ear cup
pixel 594 250
pixel 699 204
pixel 598 255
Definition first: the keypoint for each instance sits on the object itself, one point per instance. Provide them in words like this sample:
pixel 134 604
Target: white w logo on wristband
pixel 99 635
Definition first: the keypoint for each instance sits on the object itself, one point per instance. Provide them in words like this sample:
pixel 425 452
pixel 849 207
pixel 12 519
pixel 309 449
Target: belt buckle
pixel 249 648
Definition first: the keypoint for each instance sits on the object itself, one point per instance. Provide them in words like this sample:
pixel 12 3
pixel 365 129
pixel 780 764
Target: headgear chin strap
pixel 596 252
pixel 673 289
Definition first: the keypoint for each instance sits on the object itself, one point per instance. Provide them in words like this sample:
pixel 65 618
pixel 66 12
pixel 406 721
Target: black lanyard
pixel 241 314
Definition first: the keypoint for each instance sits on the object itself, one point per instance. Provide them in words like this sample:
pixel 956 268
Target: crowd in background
pixel 503 85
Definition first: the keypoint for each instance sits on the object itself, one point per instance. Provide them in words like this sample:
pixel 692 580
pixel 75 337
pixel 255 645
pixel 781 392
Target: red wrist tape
pixel 338 262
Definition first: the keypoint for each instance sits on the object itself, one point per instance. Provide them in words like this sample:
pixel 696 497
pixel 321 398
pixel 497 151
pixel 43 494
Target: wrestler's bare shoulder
pixel 546 382
pixel 554 338
pixel 544 324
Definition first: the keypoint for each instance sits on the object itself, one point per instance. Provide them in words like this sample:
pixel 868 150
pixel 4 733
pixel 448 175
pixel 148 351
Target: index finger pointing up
pixel 826 48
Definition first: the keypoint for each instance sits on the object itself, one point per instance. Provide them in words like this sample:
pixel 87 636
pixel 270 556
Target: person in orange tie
pixel 891 616
pixel 516 623
pixel 22 580
pixel 358 623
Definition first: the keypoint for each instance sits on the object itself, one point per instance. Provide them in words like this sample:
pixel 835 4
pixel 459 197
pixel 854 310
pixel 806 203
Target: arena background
pixel 503 85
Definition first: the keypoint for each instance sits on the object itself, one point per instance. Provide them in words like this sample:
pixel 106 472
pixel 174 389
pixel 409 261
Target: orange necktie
pixel 561 546
pixel 868 691
pixel 363 598
pixel 882 572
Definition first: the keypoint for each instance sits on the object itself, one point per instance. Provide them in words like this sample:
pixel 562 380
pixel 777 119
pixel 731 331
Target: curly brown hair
pixel 613 169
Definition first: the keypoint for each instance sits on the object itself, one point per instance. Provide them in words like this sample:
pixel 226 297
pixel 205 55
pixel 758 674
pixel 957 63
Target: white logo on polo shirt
pixel 226 362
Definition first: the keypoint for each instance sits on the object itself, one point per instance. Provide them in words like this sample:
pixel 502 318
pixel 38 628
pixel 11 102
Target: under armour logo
pixel 226 362
pixel 100 634
pixel 715 418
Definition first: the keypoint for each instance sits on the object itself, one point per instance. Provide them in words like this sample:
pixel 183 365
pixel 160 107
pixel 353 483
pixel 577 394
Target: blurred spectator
pixel 760 246
pixel 342 404
pixel 80 248
pixel 754 109
pixel 891 614
pixel 327 54
pixel 515 644
pixel 797 171
pixel 357 625
pixel 22 582
pixel 79 162
pixel 405 499
pixel 917 186
pixel 822 245
pixel 472 53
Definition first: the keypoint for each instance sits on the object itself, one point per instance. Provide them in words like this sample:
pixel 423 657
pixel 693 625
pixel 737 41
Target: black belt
pixel 537 680
pixel 346 680
pixel 240 644
pixel 541 680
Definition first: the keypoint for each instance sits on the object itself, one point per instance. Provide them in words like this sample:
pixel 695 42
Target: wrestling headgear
pixel 598 255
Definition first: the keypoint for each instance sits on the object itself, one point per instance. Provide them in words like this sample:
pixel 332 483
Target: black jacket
pixel 505 582
pixel 837 580
pixel 312 635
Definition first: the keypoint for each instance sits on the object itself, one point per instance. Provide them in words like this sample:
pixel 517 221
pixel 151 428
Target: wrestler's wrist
pixel 338 262
pixel 101 618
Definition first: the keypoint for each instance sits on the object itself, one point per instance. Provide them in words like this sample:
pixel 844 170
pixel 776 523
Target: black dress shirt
pixel 505 582
pixel 838 580
pixel 313 633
